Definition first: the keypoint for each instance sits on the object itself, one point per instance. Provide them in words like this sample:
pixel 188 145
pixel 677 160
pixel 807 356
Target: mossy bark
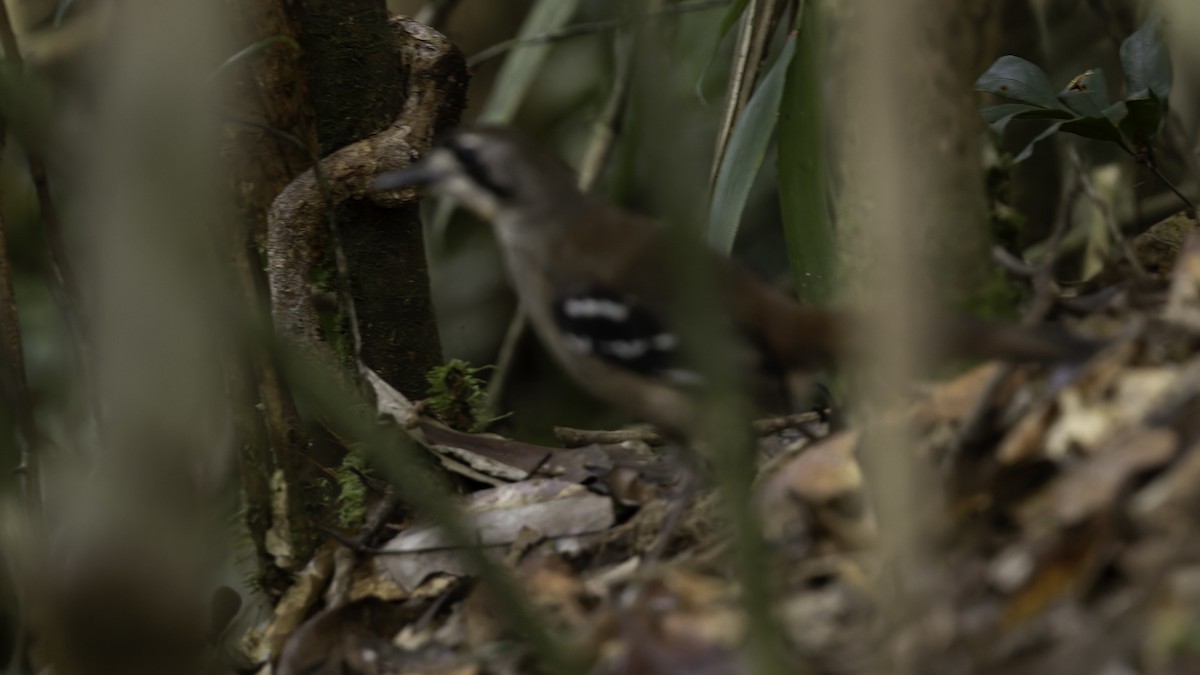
pixel 268 91
pixel 358 81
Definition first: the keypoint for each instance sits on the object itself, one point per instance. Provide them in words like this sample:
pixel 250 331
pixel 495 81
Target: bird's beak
pixel 422 173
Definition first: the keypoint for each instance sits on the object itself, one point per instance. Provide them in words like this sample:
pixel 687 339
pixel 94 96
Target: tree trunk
pixel 268 90
pixel 358 86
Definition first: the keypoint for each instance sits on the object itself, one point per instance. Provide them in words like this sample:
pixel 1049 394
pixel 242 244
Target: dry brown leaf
pixel 555 586
pixel 1183 303
pixel 1068 566
pixel 821 488
pixel 1025 441
pixel 346 639
pixel 1093 486
pixel 952 401
pixel 826 470
pixel 292 607
pixel 1170 501
pixel 679 622
pixel 371 579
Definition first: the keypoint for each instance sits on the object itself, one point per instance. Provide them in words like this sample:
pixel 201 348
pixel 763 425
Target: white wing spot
pixel 627 349
pixel 593 308
pixel 665 342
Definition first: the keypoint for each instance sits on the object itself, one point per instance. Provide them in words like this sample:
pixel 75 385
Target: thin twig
pixel 505 359
pixel 770 425
pixel 604 135
pixel 605 128
pixel 577 438
pixel 1046 293
pixel 1145 158
pixel 754 38
pixel 1178 136
pixel 574 30
pixel 1088 189
pixel 1152 167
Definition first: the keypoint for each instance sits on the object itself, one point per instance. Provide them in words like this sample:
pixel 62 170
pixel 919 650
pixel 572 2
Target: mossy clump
pixel 352 492
pixel 457 397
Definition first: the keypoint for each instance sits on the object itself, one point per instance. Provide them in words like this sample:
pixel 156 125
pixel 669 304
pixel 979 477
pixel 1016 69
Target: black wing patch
pixel 618 330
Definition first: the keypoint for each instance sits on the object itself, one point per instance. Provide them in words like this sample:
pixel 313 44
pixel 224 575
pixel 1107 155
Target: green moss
pixel 458 398
pixel 324 279
pixel 351 506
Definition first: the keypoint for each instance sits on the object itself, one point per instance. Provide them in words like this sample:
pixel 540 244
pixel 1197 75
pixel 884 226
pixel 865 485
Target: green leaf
pixel 1006 111
pixel 1144 118
pixel 1116 112
pixel 1047 133
pixel 1014 78
pixel 1089 127
pixel 1000 115
pixel 1101 129
pixel 747 148
pixel 811 241
pixel 1146 61
pixel 521 66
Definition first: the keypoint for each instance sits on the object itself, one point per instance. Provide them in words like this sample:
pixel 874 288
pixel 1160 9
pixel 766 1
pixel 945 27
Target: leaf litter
pixel 1068 541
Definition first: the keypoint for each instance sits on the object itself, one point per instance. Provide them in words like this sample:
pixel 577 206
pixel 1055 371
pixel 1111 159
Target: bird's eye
pixel 473 165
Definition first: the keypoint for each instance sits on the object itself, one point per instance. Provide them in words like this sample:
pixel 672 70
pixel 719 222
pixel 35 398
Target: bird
pixel 594 281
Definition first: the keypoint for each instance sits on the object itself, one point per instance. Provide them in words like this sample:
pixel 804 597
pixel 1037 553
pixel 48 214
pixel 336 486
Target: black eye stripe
pixel 468 158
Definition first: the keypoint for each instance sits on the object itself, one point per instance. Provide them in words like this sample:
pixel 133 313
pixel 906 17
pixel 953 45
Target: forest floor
pixel 1061 533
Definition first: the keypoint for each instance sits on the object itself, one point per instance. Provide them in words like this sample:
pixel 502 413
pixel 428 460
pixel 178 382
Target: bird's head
pixel 490 170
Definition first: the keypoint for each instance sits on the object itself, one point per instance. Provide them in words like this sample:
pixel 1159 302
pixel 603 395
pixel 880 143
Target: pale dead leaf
pixel 1085 424
pixel 498 515
pixel 293 606
pixel 278 539
pixel 371 579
